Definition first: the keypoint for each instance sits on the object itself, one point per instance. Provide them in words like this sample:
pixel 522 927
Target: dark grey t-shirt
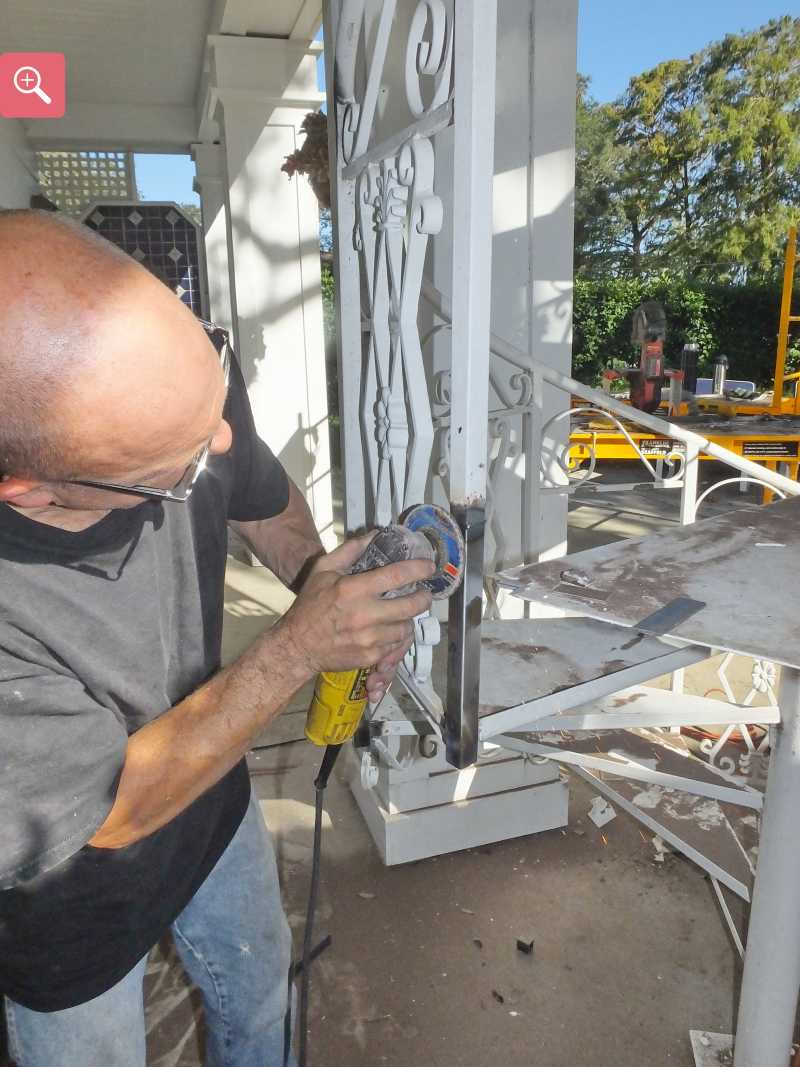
pixel 100 632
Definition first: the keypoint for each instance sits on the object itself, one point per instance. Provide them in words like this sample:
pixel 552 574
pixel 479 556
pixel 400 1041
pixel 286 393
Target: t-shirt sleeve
pixel 260 486
pixel 61 755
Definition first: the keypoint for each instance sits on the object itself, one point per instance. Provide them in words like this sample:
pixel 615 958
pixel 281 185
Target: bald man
pixel 127 447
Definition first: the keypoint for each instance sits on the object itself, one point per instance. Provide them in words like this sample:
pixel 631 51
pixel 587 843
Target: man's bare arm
pixel 287 543
pixel 338 621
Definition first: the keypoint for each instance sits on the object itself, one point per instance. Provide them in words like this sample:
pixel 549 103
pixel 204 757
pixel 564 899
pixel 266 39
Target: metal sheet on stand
pixel 742 565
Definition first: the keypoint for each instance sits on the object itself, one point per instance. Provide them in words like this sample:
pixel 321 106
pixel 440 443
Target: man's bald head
pixel 102 369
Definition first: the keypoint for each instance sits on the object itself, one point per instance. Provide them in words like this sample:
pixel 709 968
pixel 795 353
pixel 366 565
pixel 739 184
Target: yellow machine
pixel 772 442
pixel 777 404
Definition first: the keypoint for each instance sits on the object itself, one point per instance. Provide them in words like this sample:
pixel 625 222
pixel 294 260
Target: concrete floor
pixel 629 954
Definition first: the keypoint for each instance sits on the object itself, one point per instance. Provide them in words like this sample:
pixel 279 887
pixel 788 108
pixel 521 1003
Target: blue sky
pixel 620 38
pixel 165 178
pixel 616 39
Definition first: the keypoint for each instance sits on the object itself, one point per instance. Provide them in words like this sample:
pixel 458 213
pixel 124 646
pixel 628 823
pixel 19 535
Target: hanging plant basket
pixel 312 158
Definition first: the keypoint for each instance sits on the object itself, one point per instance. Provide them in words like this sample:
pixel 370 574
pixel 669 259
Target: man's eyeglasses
pixel 181 492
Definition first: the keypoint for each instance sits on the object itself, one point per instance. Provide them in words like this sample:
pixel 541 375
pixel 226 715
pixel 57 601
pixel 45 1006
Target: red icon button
pixel 32 85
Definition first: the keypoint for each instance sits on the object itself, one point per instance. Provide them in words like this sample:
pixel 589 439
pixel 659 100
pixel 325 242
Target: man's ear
pixel 12 488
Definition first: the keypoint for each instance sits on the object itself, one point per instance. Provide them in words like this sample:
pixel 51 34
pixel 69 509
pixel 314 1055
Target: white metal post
pixel 348 294
pixel 689 490
pixel 771 978
pixel 473 166
pixel 474 62
pixel 688 514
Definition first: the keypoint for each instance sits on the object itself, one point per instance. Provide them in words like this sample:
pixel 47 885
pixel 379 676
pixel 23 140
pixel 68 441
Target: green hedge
pixel 740 321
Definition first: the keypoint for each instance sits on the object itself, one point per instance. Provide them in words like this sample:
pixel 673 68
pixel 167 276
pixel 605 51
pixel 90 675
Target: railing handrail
pixel 526 361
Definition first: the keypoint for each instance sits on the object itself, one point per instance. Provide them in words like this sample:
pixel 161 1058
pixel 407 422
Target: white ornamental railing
pixel 399 74
pixel 522 391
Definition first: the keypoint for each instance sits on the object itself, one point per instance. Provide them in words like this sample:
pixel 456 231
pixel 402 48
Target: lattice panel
pixel 161 238
pixel 73 180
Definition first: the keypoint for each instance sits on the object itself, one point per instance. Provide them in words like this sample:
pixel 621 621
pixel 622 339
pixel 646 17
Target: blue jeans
pixel 235 945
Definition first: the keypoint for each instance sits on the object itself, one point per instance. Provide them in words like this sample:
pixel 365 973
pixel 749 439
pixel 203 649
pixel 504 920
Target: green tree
pixel 661 123
pixel 598 228
pixel 696 169
pixel 622 198
pixel 751 190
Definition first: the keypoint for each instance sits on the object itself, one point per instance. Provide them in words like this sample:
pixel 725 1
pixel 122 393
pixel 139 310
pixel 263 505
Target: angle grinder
pixel 424 532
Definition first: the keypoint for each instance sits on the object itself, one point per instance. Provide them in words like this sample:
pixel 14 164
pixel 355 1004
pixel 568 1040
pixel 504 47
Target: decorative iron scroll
pixel 397 211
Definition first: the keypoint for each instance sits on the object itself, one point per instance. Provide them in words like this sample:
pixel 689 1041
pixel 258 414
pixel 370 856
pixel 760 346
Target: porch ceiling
pixel 118 51
pixel 138 55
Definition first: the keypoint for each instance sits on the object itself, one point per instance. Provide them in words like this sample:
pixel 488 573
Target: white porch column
pixel 261 89
pixel 554 34
pixel 211 182
pixel 532 259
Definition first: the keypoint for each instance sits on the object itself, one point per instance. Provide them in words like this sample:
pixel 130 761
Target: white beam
pixel 274 18
pixel 745 798
pixel 270 72
pixel 643 707
pixel 137 127
pixel 211 182
pixel 275 68
pixel 472 244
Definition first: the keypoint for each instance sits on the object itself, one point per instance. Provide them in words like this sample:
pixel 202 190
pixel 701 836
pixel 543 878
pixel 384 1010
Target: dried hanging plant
pixel 312 158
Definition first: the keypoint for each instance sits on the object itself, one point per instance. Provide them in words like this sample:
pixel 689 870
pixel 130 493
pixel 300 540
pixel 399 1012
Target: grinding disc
pixel 443 533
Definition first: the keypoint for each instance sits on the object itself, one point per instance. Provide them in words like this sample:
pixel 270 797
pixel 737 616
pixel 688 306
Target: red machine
pixel 649 333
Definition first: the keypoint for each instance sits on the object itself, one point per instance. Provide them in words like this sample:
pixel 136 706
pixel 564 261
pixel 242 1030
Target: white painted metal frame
pixel 385 212
pixel 527 716
pixel 638 773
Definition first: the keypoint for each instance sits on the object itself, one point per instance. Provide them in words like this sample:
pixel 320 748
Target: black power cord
pixel 309 954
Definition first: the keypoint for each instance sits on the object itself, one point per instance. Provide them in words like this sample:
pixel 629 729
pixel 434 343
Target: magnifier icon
pixel 28 80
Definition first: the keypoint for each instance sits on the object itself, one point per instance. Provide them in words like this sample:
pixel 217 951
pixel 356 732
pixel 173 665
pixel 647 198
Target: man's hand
pixel 340 621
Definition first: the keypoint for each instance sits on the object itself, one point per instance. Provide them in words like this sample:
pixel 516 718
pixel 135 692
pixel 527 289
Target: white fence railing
pixel 527 377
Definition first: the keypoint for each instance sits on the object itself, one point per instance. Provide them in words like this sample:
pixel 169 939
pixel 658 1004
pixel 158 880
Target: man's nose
pixel 222 440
